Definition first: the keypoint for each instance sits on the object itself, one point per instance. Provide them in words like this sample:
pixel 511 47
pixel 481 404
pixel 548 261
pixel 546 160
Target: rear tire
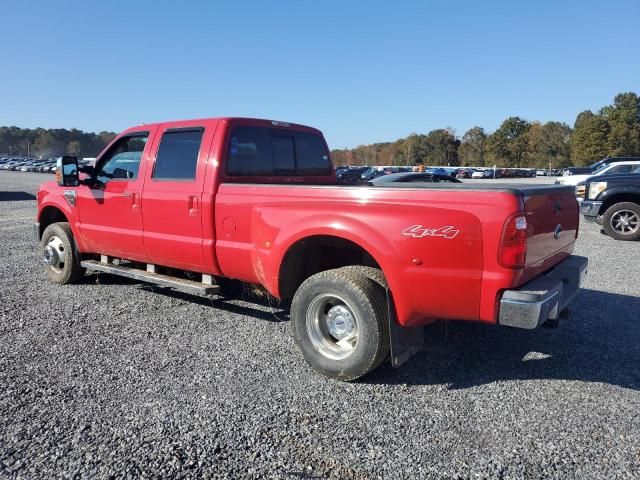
pixel 372 273
pixel 622 221
pixel 339 321
pixel 59 254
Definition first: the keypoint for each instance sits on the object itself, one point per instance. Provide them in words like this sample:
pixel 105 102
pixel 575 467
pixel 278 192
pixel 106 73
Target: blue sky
pixel 360 71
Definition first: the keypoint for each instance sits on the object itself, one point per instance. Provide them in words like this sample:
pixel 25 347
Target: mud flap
pixel 405 341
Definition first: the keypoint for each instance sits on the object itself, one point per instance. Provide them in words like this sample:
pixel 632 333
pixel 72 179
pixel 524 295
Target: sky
pixel 361 71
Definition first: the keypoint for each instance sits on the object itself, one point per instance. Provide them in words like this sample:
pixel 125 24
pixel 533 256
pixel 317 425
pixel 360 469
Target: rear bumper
pixel 590 209
pixel 544 297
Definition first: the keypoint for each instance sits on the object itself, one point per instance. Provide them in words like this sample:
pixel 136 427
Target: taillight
pixel 513 245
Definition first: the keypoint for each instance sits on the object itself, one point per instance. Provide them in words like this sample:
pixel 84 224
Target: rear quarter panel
pixel 430 276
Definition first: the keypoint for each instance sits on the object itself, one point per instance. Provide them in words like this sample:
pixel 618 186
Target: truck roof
pixel 230 120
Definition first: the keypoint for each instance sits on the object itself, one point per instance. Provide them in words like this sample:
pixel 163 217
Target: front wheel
pixel 622 221
pixel 339 321
pixel 59 255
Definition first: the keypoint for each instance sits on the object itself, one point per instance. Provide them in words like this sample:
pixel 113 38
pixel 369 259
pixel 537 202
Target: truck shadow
pixel 244 303
pixel 15 196
pixel 250 306
pixel 599 343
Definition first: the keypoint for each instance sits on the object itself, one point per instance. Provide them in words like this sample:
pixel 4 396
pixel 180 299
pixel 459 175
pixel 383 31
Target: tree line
pixel 612 131
pixel 48 143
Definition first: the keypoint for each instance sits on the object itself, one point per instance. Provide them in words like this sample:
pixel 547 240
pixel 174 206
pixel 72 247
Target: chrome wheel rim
pixel 54 255
pixel 332 326
pixel 625 222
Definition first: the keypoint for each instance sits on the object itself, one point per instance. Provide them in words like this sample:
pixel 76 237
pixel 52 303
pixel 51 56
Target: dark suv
pixel 592 168
pixel 614 202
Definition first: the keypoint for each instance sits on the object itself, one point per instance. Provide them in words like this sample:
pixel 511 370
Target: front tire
pixel 59 254
pixel 622 221
pixel 339 321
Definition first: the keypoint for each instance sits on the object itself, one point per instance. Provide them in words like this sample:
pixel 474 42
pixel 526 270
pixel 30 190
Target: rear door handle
pixel 193 205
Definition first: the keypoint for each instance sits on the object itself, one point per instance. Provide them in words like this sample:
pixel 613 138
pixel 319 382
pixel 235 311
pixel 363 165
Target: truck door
pixel 109 211
pixel 172 197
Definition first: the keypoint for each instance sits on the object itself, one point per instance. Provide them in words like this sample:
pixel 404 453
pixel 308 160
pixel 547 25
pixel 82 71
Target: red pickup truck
pixel 191 204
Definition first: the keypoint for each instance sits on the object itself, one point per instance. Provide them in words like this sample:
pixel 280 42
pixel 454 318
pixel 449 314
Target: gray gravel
pixel 110 378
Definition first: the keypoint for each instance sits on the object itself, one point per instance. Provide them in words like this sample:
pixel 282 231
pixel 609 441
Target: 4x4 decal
pixel 418 231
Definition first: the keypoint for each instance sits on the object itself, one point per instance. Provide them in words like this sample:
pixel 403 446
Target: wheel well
pixel 315 254
pixel 50 215
pixel 619 198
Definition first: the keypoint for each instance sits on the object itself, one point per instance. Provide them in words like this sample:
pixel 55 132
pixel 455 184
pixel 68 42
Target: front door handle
pixel 134 200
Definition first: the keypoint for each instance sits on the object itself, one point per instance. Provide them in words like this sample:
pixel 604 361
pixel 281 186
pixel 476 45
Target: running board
pixel 180 284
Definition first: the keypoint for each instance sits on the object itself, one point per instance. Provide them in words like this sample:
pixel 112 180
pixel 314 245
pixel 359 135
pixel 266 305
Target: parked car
pixel 373 173
pixel 465 173
pixel 413 177
pixel 580 191
pixel 614 202
pixel 605 169
pixel 437 171
pixel 478 174
pixel 363 269
pixel 591 170
pixel 351 176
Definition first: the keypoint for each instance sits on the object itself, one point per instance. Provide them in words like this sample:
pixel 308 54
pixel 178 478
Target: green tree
pixel 508 145
pixel 554 144
pixel 472 147
pixel 623 118
pixel 440 147
pixel 589 139
pixel 74 148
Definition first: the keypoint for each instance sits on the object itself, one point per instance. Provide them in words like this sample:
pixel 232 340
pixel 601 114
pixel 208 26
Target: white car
pixel 478 174
pixel 608 169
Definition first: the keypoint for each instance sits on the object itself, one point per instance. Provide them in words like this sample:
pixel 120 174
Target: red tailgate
pixel 552 225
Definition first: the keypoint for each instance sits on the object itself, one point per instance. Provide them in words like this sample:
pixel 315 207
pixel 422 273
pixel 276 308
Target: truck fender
pixel 61 204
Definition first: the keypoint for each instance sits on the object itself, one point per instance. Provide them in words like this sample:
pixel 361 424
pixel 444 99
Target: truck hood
pixel 572 179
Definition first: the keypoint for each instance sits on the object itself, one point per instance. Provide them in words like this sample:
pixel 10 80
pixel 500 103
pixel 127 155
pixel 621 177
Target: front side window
pixel 122 161
pixel 259 151
pixel 620 169
pixel 178 155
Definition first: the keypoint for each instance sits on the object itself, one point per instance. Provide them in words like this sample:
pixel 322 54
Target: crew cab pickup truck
pixel 193 204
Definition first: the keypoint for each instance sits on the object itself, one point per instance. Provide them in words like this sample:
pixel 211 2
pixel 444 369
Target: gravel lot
pixel 110 378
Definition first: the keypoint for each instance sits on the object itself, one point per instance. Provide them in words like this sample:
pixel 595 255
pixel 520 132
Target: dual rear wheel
pixel 339 320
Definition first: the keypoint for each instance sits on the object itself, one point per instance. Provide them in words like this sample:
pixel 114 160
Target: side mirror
pixel 67 171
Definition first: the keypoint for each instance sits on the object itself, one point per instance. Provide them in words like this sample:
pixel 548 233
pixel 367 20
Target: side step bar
pixel 180 284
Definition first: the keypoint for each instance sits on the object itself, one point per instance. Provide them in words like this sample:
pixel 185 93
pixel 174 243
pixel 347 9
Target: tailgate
pixel 552 224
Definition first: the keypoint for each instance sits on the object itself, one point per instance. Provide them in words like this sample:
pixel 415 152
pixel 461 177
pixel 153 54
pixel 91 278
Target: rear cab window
pixel 270 152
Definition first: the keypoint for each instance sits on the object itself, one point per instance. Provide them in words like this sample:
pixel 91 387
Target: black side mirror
pixel 67 171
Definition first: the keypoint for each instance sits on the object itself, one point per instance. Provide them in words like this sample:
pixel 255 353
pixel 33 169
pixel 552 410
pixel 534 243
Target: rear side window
pixel 258 151
pixel 311 155
pixel 178 155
